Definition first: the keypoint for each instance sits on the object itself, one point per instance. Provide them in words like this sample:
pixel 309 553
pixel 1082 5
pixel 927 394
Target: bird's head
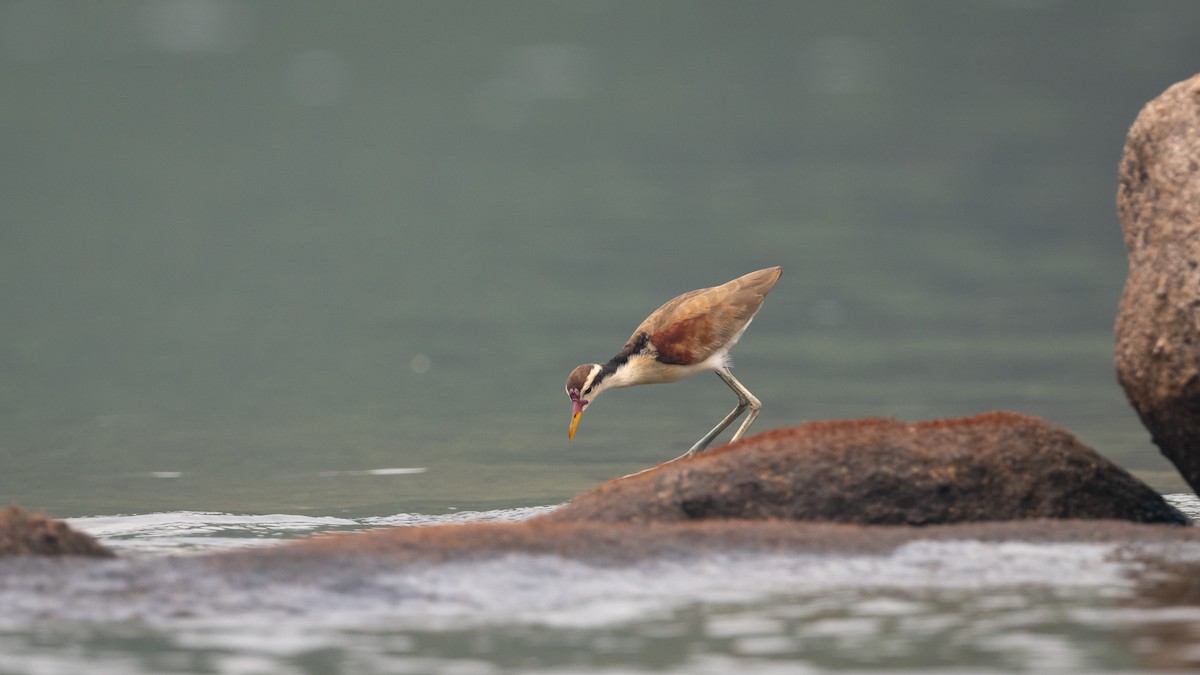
pixel 583 388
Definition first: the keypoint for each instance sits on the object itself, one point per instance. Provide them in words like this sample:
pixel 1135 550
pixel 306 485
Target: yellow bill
pixel 574 423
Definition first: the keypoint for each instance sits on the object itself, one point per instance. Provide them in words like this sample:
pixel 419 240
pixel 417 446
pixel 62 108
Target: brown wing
pixel 692 327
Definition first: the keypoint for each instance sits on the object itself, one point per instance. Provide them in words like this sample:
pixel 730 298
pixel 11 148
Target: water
pixel 926 606
pixel 273 269
pixel 200 532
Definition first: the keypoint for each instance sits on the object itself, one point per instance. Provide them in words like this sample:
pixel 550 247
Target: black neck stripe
pixel 635 345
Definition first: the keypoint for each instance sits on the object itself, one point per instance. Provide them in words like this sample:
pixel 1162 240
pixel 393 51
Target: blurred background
pixel 256 254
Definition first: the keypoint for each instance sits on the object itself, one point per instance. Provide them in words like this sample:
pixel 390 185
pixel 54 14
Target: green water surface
pixel 244 245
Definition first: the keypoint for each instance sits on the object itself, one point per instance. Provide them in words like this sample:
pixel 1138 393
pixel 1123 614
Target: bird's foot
pixel 638 473
pixel 685 455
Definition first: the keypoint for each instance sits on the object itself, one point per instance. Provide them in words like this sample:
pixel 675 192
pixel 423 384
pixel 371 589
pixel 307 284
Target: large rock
pixel 23 533
pixel 1158 324
pixel 997 466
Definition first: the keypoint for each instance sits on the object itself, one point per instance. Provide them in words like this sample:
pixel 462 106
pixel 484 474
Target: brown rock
pixel 997 466
pixel 1158 324
pixel 23 533
pixel 606 543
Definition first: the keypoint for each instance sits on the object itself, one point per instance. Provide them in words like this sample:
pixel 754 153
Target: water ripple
pixel 998 606
pixel 1187 502
pixel 187 532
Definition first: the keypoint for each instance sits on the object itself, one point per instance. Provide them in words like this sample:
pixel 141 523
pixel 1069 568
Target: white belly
pixel 646 370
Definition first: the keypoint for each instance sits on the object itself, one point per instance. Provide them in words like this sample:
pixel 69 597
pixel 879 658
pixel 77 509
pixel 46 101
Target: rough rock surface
pixel 604 543
pixel 1158 324
pixel 997 466
pixel 23 533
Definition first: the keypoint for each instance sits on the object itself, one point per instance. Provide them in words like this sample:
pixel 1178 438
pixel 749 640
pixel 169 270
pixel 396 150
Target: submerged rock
pixel 997 466
pixel 453 575
pixel 608 543
pixel 23 533
pixel 1158 324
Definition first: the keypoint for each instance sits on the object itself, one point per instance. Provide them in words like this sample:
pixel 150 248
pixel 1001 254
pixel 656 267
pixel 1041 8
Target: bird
pixel 691 333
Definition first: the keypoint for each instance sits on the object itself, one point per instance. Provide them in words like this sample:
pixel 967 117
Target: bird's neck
pixel 626 371
pixel 623 370
pixel 644 368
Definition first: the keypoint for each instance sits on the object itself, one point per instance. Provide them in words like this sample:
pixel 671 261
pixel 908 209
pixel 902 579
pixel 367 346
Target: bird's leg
pixel 708 438
pixel 745 400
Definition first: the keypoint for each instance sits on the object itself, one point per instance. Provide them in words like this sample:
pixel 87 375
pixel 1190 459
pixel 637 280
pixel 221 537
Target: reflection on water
pixel 393 471
pixel 788 634
pixel 1187 503
pixel 201 532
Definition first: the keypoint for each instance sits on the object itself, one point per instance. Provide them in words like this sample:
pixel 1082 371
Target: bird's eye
pixel 587 391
